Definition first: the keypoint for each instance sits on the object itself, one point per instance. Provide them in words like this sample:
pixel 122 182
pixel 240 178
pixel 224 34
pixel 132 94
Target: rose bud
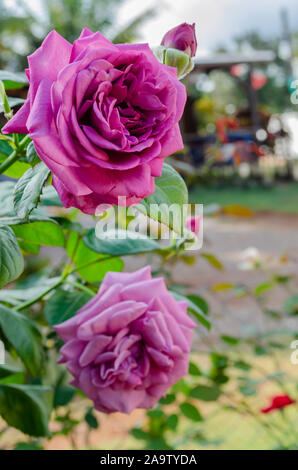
pixel 177 48
pixel 129 344
pixel 183 38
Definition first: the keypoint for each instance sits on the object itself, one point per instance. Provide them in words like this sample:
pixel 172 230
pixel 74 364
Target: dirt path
pixel 268 239
pixel 240 243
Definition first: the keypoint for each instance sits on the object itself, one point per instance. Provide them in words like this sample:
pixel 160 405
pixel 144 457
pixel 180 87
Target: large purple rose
pixel 102 117
pixel 129 344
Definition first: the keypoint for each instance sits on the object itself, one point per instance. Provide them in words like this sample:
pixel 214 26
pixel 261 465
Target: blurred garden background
pixel 240 161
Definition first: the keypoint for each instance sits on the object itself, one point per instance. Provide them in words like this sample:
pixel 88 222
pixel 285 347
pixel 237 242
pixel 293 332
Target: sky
pixel 217 21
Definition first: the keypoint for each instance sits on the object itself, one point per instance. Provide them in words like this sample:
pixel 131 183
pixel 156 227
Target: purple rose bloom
pixel 129 344
pixel 102 117
pixel 182 37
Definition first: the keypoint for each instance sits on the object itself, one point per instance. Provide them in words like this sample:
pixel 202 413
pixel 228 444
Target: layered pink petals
pixel 102 117
pixel 129 344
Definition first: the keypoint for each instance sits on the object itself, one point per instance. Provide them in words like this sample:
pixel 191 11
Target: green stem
pixel 28 303
pixel 102 260
pixel 85 265
pixel 60 281
pixel 81 287
pixel 66 273
pixel 67 268
pixel 15 155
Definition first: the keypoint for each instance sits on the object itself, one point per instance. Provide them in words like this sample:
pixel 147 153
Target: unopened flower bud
pixel 174 58
pixel 183 62
pixel 183 38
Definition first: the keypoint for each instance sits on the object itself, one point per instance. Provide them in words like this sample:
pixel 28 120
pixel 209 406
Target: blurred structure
pixel 239 116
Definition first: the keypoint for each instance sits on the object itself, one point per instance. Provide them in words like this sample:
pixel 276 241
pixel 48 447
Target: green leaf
pixel 63 394
pixel 12 80
pixel 6 204
pixel 230 340
pixel 83 255
pixel 247 390
pixel 14 296
pixel 260 350
pixel 97 271
pixel 242 365
pixel 194 370
pixel 193 309
pixel 4 105
pixel 263 287
pixel 199 302
pixel 18 378
pixel 168 399
pixel 91 419
pixel 50 197
pixel 17 169
pixel 28 446
pixel 181 387
pixel 26 407
pixel 5 148
pixel 43 232
pixel 112 244
pixel 213 260
pixel 282 279
pixel 28 247
pixel 190 411
pixel 6 371
pixel 12 103
pixel 170 189
pixel 155 413
pixel 24 337
pixel 222 286
pixel 11 258
pixel 63 305
pixel 205 393
pixel 139 434
pixel 172 422
pixel 31 155
pixel 28 189
pixel 67 224
pixel 291 305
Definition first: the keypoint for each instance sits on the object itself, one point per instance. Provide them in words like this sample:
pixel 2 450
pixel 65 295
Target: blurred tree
pixel 22 28
pixel 275 95
pixel 254 40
